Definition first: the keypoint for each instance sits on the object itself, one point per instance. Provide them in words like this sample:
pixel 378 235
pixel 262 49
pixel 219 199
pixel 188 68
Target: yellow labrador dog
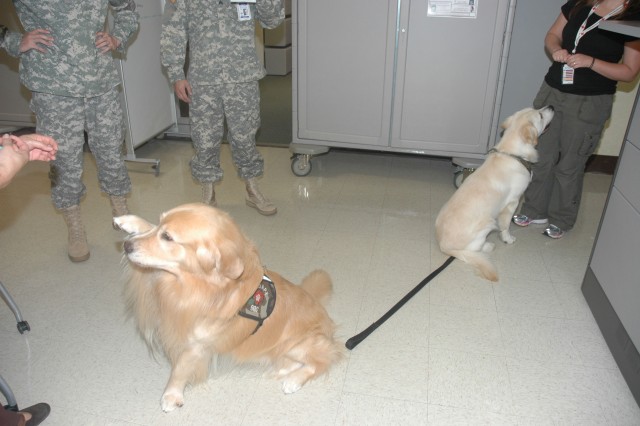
pixel 487 199
pixel 198 288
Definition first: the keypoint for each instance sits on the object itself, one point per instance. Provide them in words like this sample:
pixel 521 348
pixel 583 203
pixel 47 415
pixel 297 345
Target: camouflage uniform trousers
pixel 65 119
pixel 240 104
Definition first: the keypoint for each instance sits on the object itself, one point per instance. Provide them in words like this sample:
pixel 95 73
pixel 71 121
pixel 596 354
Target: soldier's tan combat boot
pixel 118 207
pixel 258 201
pixel 209 194
pixel 78 248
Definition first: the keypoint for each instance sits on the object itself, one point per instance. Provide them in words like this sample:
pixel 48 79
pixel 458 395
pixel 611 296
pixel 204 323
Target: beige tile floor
pixel 525 351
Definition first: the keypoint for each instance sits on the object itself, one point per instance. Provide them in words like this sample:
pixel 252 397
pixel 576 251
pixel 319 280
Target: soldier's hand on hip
pixel 38 40
pixel 105 42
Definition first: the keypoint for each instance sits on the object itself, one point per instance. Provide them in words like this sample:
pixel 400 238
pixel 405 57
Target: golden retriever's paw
pixel 132 224
pixel 117 222
pixel 290 386
pixel 171 400
pixel 507 237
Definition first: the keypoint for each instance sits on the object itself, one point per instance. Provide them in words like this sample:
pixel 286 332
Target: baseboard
pixel 613 331
pixel 605 164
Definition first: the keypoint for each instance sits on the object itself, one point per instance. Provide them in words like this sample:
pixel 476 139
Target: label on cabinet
pixel 452 8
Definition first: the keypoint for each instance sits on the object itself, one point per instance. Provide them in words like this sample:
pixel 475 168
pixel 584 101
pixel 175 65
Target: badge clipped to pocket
pixel 567 74
pixel 244 11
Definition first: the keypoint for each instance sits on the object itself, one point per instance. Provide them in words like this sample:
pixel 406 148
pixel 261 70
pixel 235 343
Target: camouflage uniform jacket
pixel 74 66
pixel 221 46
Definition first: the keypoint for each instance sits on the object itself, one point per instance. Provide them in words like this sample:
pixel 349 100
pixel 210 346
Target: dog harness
pixel 260 305
pixel 525 163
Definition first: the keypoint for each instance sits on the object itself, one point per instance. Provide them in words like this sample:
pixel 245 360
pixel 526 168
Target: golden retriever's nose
pixel 128 247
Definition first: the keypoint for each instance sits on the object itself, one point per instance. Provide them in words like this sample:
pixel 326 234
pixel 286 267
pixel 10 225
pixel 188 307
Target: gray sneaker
pixel 523 220
pixel 554 232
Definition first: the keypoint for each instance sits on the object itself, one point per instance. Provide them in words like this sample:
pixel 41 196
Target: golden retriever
pixel 198 289
pixel 487 199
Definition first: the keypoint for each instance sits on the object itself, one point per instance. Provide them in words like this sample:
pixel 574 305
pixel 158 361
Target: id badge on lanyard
pixel 244 12
pixel 567 71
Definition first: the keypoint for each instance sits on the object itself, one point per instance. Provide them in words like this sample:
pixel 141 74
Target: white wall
pixel 615 130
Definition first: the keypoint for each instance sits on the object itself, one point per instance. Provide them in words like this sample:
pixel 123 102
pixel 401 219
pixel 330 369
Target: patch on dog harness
pixel 525 163
pixel 261 304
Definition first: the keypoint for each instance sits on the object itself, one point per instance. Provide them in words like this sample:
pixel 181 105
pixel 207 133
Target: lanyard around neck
pixel 583 28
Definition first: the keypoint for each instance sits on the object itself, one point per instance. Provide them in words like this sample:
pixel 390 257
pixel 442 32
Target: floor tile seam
pixel 347 359
pixel 502 314
pixel 101 416
pixel 384 236
pixel 553 367
pixel 51 341
pixel 576 284
pixel 551 359
pixel 501 353
pixel 503 359
pixel 389 398
pixel 503 350
pixel 459 351
pixel 463 308
pixel 549 363
pixel 521 283
pixel 474 409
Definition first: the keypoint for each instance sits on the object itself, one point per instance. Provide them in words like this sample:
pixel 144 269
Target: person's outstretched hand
pixel 39 147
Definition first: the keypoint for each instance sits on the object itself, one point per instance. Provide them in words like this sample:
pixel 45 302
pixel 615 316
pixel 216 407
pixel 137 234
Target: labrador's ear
pixel 132 224
pixel 507 122
pixel 223 258
pixel 529 134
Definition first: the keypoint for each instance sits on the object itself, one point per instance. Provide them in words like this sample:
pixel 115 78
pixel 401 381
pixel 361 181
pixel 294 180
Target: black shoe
pixel 38 412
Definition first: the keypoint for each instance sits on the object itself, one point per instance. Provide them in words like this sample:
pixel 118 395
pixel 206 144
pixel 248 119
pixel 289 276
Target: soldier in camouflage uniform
pixel 66 62
pixel 222 83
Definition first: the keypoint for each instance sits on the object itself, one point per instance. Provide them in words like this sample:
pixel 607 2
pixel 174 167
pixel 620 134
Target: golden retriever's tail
pixel 478 260
pixel 318 284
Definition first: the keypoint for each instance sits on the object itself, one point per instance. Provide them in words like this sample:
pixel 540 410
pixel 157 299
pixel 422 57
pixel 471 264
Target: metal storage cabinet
pixel 384 75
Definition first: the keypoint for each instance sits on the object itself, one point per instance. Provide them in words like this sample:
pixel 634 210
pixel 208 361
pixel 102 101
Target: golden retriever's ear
pixel 224 259
pixel 132 224
pixel 529 134
pixel 206 259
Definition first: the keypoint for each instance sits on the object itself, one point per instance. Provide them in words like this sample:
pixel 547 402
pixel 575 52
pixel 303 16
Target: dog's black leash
pixel 355 340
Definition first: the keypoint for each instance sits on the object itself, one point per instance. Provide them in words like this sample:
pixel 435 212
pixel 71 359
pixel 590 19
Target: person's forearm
pixel 552 43
pixel 617 71
pixel 126 22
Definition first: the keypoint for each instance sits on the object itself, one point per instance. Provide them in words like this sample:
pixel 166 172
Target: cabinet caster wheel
pixel 458 177
pixel 301 165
